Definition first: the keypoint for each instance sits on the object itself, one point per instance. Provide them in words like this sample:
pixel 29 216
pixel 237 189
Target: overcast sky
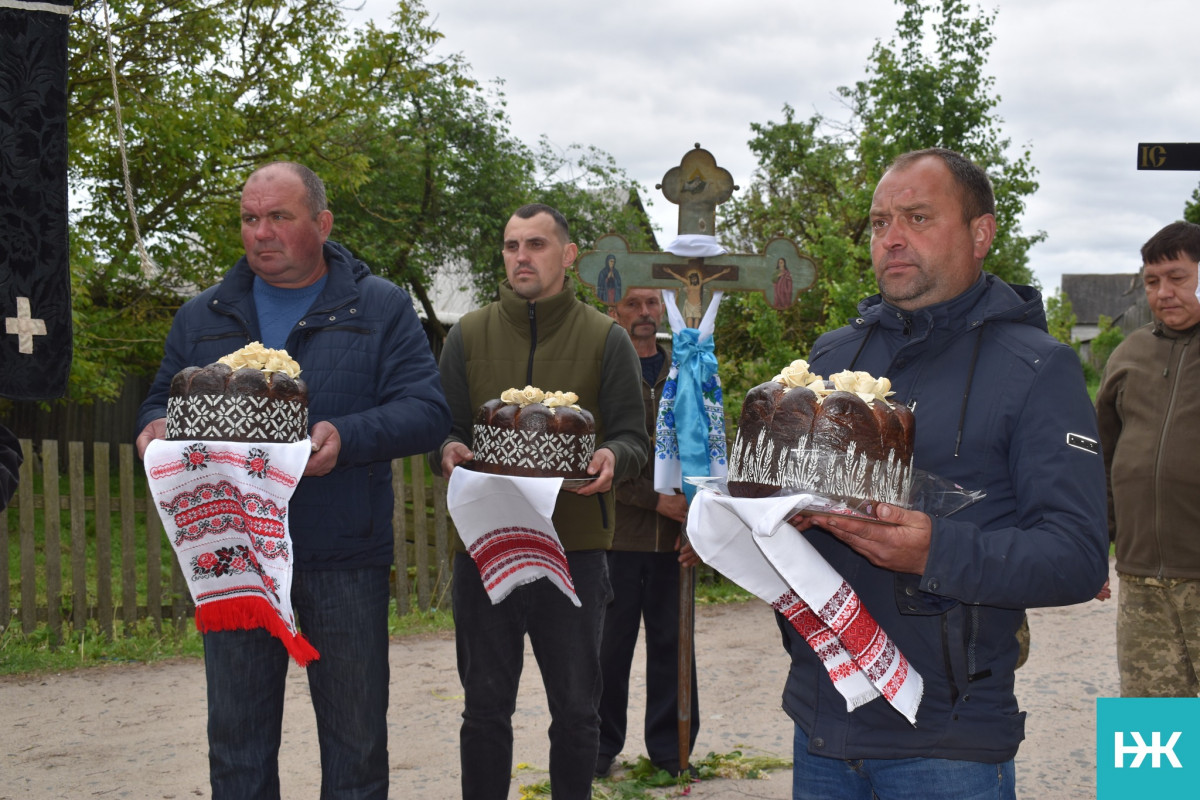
pixel 1081 82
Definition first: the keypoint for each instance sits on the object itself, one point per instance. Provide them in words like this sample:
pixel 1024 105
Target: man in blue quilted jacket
pixel 374 395
pixel 1001 407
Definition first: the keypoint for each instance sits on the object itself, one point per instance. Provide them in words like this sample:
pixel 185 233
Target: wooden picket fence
pixel 99 521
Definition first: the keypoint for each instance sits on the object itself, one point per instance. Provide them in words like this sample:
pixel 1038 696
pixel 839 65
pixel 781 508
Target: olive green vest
pixel 556 344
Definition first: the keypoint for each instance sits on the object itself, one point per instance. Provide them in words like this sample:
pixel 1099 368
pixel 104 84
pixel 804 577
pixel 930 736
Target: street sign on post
pixel 1183 156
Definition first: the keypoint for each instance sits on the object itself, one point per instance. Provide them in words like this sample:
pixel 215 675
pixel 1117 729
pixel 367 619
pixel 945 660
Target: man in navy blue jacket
pixel 1000 406
pixel 374 395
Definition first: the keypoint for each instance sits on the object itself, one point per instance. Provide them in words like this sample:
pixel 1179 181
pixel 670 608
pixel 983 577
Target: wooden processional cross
pixel 697 186
pixel 780 273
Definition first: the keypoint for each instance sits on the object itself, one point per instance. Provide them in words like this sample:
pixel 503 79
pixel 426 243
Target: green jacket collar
pixel 547 314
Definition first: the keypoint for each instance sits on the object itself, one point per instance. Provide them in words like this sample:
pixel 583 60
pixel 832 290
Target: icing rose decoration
pixel 560 399
pixel 523 397
pixel 256 356
pixel 863 384
pixel 532 394
pixel 796 374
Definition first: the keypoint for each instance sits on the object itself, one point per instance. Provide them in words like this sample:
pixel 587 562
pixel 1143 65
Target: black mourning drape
pixel 35 283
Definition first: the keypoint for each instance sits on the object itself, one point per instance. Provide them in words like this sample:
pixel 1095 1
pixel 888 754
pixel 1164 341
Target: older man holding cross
pixel 644 569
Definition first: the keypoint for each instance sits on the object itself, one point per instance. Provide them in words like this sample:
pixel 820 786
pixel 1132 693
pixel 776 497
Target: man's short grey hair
pixel 314 188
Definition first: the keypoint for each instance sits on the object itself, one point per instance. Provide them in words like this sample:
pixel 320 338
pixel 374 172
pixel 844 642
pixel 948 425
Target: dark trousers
pixel 645 588
pixel 490 642
pixel 344 614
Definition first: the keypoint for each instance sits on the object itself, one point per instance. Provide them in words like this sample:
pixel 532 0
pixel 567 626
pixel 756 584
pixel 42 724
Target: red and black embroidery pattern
pixel 234 560
pixel 254 463
pixel 210 508
pixel 224 508
pixel 257 462
pixel 195 456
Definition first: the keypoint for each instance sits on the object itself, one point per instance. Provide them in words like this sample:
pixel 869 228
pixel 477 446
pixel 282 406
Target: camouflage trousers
pixel 1158 636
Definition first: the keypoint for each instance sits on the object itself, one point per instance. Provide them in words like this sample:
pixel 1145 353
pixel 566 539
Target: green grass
pixel 87 647
pixel 143 642
pixel 35 652
pixel 641 780
pixel 714 589
pixel 415 622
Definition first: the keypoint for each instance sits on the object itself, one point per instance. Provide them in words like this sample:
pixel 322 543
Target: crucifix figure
pixel 693 277
pixel 698 185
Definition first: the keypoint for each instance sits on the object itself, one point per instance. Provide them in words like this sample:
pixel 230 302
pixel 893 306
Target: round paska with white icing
pixel 534 434
pixel 840 437
pixel 252 395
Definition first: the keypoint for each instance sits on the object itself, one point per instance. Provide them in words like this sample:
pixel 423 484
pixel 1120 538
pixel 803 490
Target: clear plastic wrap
pixel 837 483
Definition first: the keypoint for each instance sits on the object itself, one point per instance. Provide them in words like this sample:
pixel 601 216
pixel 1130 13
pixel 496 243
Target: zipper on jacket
pixel 1159 456
pixel 962 413
pixel 972 647
pixel 866 338
pixel 949 662
pixel 532 344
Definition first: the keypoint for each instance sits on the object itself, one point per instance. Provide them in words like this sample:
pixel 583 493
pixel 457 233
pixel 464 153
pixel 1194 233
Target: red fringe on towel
pixel 246 613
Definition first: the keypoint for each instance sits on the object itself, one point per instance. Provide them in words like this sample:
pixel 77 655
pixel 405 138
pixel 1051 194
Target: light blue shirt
pixel 280 309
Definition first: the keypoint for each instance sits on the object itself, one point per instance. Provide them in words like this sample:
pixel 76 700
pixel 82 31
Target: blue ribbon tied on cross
pixel 697 366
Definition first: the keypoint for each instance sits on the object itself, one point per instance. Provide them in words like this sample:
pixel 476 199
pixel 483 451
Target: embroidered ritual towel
pixel 750 542
pixel 224 509
pixel 689 431
pixel 505 523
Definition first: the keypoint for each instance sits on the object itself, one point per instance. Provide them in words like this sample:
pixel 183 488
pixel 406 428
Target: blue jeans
pixel 645 587
pixel 344 614
pixel 822 778
pixel 490 642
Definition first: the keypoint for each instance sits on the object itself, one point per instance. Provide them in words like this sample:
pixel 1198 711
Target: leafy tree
pixel 1060 317
pixel 207 91
pixel 1104 343
pixel 417 157
pixel 926 87
pixel 445 178
pixel 1191 209
pixel 1098 351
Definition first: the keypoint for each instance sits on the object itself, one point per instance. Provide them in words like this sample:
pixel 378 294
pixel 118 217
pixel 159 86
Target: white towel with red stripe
pixel 750 542
pixel 224 506
pixel 505 524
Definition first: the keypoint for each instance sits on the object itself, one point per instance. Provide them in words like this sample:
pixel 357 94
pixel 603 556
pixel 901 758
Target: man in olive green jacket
pixel 1148 409
pixel 539 334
